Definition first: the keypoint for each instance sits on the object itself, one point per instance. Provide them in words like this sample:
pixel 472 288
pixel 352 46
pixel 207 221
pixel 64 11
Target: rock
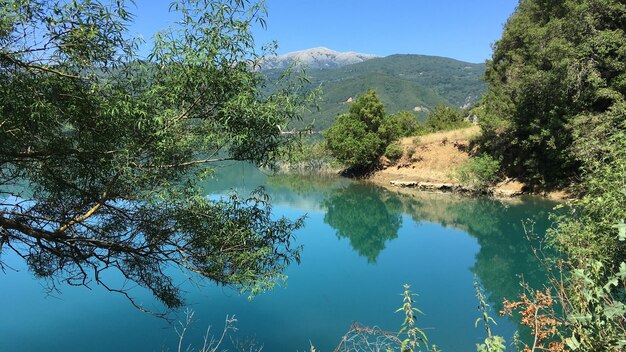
pixel 405 183
pixel 507 193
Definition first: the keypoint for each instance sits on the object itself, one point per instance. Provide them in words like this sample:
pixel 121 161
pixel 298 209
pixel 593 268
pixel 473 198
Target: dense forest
pixel 555 114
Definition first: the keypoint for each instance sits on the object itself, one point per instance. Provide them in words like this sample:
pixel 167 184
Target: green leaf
pixel 621 230
pixel 572 343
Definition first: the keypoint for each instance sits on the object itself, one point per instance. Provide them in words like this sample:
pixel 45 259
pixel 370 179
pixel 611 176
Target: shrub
pixel 394 152
pixel 359 137
pixel 479 171
pixel 405 124
pixel 445 118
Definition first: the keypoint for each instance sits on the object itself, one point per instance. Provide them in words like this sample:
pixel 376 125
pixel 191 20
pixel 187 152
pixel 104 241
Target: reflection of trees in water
pixel 506 254
pixel 370 216
pixel 360 213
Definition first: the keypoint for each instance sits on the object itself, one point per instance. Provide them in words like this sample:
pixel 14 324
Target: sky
pixel 463 30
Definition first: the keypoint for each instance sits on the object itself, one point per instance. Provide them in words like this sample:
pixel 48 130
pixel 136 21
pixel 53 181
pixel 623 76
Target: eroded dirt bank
pixel 431 163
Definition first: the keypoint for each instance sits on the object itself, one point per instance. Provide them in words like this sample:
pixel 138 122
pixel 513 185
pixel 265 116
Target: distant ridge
pixel 404 82
pixel 314 58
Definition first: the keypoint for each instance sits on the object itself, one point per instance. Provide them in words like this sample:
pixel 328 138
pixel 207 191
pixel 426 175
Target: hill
pixel 414 83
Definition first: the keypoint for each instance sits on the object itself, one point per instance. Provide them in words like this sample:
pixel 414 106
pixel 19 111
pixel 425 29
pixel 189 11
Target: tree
pixel 359 137
pixel 100 152
pixel 556 85
pixel 445 118
pixel 556 113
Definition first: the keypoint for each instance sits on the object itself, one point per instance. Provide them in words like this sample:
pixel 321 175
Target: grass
pixel 467 133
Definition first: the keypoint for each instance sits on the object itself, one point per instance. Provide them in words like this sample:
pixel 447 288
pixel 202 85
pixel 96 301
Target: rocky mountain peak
pixel 315 58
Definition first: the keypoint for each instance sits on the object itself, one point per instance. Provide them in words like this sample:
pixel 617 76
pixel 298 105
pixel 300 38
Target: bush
pixel 406 124
pixel 445 118
pixel 479 171
pixel 394 152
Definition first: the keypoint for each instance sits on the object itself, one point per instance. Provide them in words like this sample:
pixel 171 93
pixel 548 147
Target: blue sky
pixel 462 30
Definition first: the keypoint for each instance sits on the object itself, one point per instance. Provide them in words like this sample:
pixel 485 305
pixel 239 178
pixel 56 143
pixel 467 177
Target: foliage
pixel 307 156
pixel 556 112
pixel 406 123
pixel 537 312
pixel 394 152
pixel 359 137
pixel 445 118
pixel 479 171
pixel 596 308
pixel 100 151
pixel 403 82
pixel 594 295
pixel 414 335
pixel 493 343
pixel 557 85
pixel 365 339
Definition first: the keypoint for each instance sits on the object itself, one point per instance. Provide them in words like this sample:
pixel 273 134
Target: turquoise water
pixel 360 245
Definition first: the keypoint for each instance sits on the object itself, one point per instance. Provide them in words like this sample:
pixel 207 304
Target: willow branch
pixel 37 67
pixel 85 216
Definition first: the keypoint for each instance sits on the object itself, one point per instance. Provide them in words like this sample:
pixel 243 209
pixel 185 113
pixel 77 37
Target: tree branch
pixel 37 67
pixel 85 216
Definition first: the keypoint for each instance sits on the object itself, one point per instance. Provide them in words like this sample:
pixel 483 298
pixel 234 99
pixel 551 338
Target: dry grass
pixel 464 134
pixel 437 157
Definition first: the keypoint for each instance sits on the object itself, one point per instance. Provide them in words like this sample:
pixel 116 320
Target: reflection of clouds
pixel 301 203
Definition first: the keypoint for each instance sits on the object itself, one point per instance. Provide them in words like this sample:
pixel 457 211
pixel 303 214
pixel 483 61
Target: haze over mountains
pixel 416 83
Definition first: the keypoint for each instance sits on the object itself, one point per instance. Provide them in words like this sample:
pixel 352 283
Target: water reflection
pixel 360 214
pixel 503 230
pixel 361 243
pixel 369 217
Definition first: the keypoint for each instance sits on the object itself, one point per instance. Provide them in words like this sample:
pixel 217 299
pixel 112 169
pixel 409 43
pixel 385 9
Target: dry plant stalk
pixel 537 313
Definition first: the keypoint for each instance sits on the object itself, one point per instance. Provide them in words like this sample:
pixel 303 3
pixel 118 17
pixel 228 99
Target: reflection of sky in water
pixel 333 286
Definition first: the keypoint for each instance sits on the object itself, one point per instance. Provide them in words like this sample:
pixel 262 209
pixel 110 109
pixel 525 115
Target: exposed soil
pixel 435 159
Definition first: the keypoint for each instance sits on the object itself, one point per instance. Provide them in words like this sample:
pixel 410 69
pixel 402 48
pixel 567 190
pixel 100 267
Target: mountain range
pixel 315 58
pixel 416 83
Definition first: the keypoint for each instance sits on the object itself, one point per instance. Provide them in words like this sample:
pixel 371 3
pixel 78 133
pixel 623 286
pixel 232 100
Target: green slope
pixel 403 83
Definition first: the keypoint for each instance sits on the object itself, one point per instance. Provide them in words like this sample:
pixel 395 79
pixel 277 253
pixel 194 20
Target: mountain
pixel 315 58
pixel 416 83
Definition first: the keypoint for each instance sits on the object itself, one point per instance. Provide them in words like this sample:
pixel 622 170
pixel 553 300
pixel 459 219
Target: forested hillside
pixel 414 83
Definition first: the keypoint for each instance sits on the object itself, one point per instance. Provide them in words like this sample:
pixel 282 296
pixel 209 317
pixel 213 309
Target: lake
pixel 361 243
